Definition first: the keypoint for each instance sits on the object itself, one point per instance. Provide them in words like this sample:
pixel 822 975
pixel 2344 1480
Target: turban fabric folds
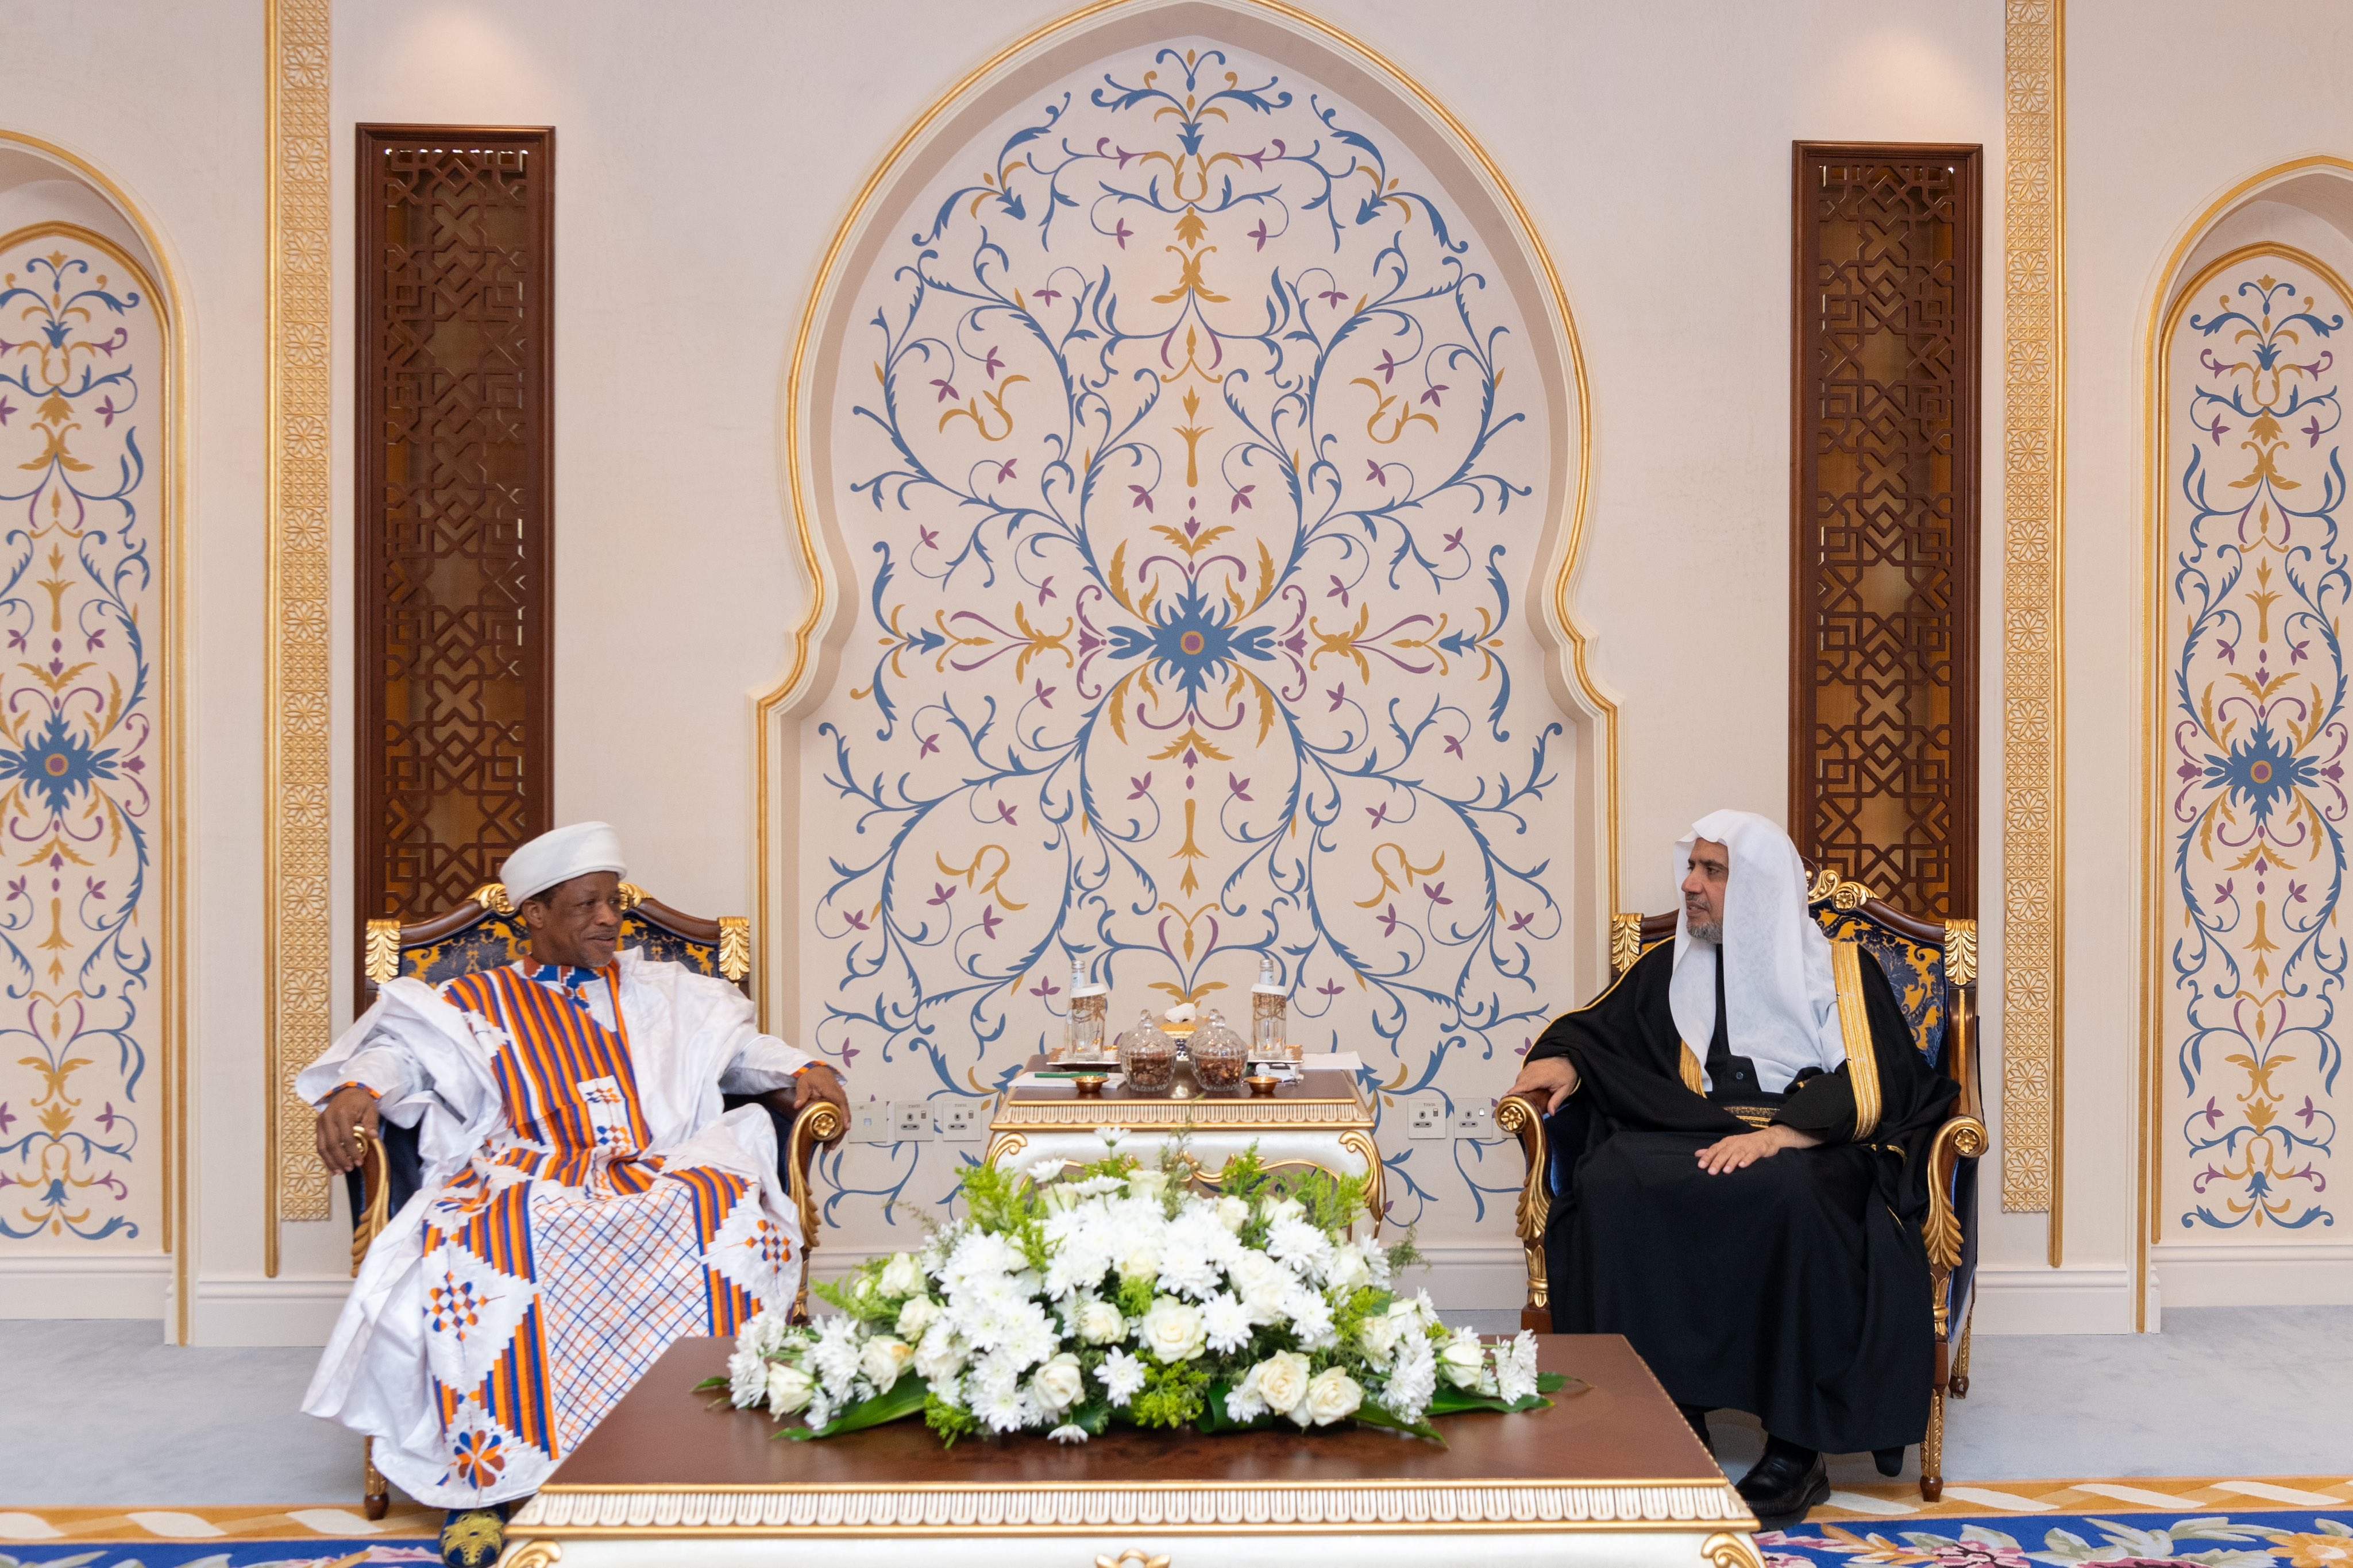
pixel 559 856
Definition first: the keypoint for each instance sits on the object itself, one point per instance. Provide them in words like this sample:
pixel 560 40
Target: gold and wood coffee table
pixel 1324 1120
pixel 1610 1475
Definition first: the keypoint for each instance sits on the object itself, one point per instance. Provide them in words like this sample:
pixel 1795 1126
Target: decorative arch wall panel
pixel 1199 465
pixel 83 444
pixel 2253 750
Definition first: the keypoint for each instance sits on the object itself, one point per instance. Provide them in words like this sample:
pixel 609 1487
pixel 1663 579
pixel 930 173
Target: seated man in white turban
pixel 584 1199
pixel 1749 1218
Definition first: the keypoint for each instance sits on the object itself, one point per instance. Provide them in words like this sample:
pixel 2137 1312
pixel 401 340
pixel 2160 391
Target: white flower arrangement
pixel 1072 1296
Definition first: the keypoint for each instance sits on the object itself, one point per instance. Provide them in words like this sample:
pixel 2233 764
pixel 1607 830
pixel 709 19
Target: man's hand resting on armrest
pixel 349 1111
pixel 817 1081
pixel 1742 1150
pixel 1548 1076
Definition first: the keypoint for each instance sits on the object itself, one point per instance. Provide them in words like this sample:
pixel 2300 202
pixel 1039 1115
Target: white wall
pixel 167 101
pixel 702 169
pixel 2166 110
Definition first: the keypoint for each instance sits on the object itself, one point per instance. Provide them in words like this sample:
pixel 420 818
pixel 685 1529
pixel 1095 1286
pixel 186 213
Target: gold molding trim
pixel 171 848
pixel 1960 952
pixel 1728 1550
pixel 542 1554
pixel 735 947
pixel 822 592
pixel 1219 1508
pixel 2034 382
pixel 297 923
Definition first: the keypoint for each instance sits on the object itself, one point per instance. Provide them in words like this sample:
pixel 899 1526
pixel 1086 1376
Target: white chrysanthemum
pixel 834 1358
pixel 1377 1260
pixel 948 1389
pixel 1344 1269
pixel 1225 1322
pixel 820 1412
pixel 1096 1187
pixel 1303 1245
pixel 940 1353
pixel 768 1333
pixel 1004 1409
pixel 1122 1376
pixel 747 1375
pixel 1412 1381
pixel 1243 1401
pixel 1515 1366
pixel 1068 1434
pixel 1191 1256
pixel 1311 1319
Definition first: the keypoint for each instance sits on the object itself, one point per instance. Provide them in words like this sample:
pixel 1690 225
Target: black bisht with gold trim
pixel 1796 1289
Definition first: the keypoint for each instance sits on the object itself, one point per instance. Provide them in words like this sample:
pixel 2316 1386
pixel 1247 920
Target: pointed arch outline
pixel 827 571
pixel 2171 287
pixel 162 273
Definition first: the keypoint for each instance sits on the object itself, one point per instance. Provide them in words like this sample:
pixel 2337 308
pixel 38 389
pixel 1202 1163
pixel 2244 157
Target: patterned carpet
pixel 2281 1522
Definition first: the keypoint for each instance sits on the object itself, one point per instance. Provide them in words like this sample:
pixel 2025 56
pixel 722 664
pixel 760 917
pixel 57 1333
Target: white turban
pixel 560 856
pixel 1780 1000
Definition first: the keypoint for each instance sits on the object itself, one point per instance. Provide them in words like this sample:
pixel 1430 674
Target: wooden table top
pixel 1619 1431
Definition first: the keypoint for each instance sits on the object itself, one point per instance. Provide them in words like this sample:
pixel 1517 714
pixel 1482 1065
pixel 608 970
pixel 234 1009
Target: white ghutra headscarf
pixel 1780 1000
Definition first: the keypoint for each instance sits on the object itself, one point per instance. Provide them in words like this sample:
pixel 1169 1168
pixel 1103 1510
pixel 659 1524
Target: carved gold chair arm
pixel 820 1124
pixel 375 1202
pixel 1961 1137
pixel 1522 1117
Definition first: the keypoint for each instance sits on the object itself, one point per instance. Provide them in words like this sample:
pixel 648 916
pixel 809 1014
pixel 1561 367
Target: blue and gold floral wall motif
pixel 2253 751
pixel 1193 451
pixel 81 421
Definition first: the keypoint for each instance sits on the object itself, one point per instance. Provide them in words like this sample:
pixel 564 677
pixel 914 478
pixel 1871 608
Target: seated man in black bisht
pixel 1750 1217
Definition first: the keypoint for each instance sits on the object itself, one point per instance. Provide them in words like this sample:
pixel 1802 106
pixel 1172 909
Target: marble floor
pixel 100 1413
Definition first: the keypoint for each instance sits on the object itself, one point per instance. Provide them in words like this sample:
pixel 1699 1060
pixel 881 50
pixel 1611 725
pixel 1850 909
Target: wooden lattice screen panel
pixel 1884 509
pixel 456 241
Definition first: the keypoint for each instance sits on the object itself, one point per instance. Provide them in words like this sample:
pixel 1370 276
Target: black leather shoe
pixel 1786 1482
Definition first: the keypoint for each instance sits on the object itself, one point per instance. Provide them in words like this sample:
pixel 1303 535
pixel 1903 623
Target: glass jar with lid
pixel 1220 1056
pixel 1148 1056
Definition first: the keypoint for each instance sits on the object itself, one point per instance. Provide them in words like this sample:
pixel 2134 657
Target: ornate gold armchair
pixel 484 932
pixel 1933 966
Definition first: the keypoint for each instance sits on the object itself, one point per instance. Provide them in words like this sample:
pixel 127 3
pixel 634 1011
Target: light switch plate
pixel 959 1120
pixel 1425 1116
pixel 914 1122
pixel 870 1121
pixel 1476 1123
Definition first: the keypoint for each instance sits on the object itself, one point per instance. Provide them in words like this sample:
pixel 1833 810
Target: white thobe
pixel 689 1037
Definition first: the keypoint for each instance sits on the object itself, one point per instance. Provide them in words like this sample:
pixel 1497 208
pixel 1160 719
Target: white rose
pixel 863 1289
pixel 1061 1197
pixel 1332 1396
pixel 1101 1323
pixel 1233 1213
pixel 1462 1359
pixel 1281 1381
pixel 1261 1281
pixel 1379 1337
pixel 1146 1183
pixel 901 1276
pixel 1285 1208
pixel 790 1389
pixel 1346 1270
pixel 884 1360
pixel 1144 1262
pixel 920 1314
pixel 1058 1384
pixel 1173 1331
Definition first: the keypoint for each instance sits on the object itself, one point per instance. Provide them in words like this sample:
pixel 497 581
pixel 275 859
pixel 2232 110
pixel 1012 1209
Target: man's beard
pixel 1704 930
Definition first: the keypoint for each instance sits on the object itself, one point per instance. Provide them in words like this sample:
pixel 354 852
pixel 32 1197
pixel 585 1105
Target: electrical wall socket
pixel 871 1122
pixel 914 1122
pixel 1476 1123
pixel 959 1120
pixel 1425 1116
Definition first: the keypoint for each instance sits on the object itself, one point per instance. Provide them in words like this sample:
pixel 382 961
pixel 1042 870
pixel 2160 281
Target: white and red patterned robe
pixel 584 1202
